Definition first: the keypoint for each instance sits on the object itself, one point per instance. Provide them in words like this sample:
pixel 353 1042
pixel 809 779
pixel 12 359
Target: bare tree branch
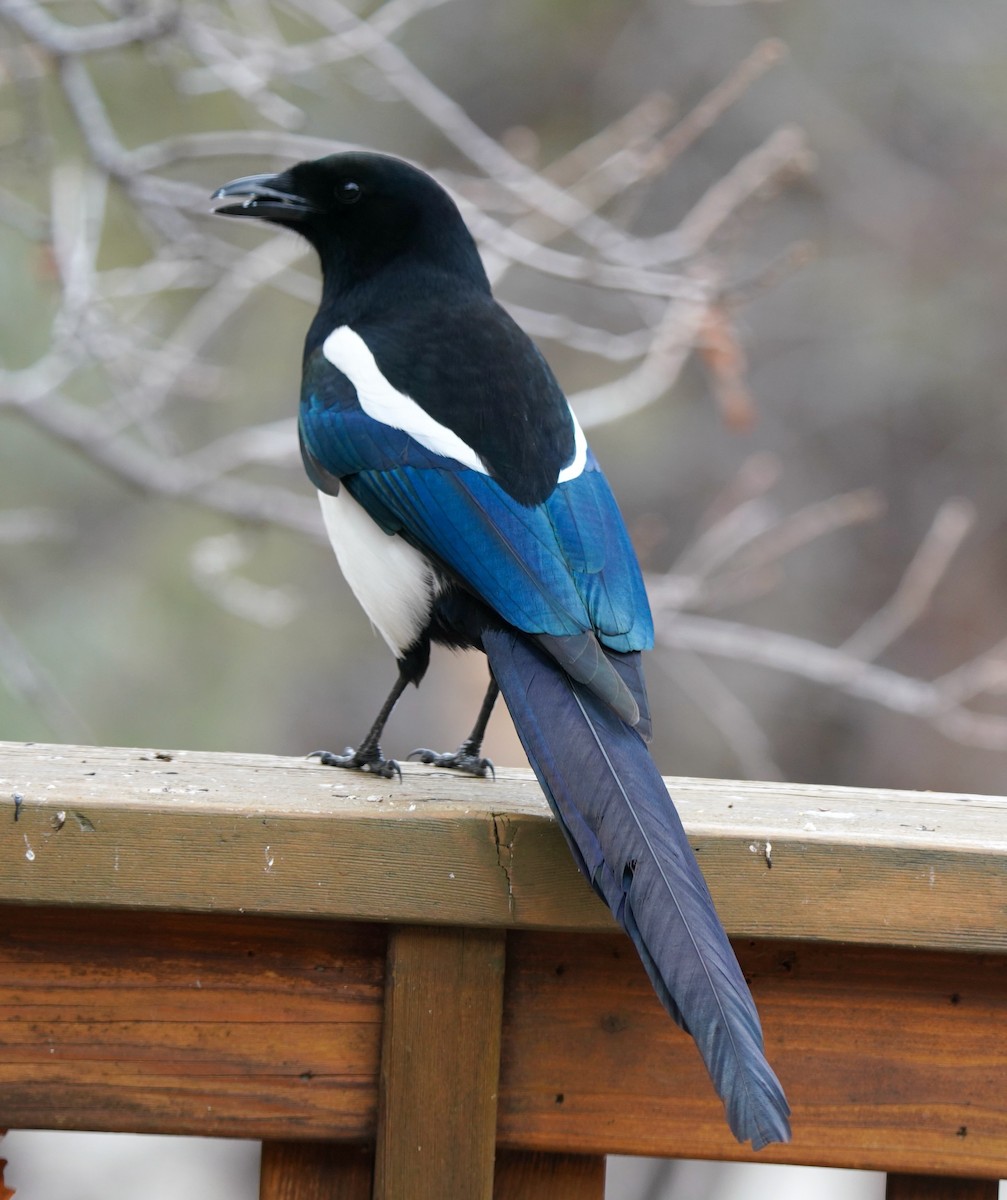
pixel 732 719
pixel 63 40
pixel 912 596
pixel 936 702
pixel 132 464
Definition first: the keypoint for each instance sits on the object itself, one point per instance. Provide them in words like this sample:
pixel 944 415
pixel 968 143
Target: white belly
pixel 394 583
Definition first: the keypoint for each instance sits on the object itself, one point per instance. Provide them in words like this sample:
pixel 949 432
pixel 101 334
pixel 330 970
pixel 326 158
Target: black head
pixel 361 212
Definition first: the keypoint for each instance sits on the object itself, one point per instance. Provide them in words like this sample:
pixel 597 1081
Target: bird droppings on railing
pixel 766 849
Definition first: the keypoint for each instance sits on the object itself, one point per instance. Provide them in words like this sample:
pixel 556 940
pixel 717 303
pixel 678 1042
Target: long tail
pixel 628 840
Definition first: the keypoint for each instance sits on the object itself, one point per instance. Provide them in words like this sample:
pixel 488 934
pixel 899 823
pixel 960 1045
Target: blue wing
pixel 562 568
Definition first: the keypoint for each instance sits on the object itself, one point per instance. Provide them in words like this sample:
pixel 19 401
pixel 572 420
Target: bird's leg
pixel 467 757
pixel 368 756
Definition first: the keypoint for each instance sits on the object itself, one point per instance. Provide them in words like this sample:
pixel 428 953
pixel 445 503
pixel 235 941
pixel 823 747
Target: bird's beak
pixel 269 197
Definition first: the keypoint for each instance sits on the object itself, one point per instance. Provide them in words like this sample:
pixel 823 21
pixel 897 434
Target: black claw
pixel 369 761
pixel 462 760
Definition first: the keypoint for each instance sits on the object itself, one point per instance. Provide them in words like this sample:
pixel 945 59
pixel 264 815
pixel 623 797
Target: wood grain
pixel 890 1059
pixel 440 1065
pixel 330 1171
pixel 315 1171
pixel 271 1028
pixel 529 1176
pixel 251 833
pixel 163 967
pixel 155 1023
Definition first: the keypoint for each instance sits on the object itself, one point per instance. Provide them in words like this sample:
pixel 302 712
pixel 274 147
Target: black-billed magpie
pixel 465 508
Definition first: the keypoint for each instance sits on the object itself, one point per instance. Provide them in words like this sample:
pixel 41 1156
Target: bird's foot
pixel 367 758
pixel 466 759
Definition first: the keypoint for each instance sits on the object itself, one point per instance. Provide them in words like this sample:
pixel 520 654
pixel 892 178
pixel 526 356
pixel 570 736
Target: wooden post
pixel 315 1171
pixel 440 1063
pixel 936 1187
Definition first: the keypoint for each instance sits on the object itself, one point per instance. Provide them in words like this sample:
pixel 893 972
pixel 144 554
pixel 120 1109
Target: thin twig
pixel 63 40
pixel 910 599
pixel 28 680
pixel 784 152
pixel 674 339
pixel 731 718
pixel 703 116
pixel 935 702
pixel 131 463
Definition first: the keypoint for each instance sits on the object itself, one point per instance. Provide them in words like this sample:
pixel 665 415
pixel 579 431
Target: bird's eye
pixel 349 192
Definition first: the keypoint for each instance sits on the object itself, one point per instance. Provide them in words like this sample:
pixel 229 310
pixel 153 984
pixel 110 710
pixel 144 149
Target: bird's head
pixel 360 211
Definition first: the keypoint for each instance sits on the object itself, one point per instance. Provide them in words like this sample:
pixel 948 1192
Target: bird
pixel 466 509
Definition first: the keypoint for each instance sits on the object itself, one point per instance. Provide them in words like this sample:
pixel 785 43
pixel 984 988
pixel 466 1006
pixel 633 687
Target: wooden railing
pixel 407 991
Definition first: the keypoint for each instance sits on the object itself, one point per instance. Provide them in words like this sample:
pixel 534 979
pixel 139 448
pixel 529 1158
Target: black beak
pixel 268 197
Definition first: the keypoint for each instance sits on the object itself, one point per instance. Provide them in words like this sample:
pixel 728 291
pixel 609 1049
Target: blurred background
pixel 762 244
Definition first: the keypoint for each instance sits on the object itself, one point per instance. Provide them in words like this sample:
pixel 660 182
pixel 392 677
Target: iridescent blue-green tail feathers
pixel 626 836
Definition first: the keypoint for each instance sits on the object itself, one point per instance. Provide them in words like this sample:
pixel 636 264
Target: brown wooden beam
pixel 218 1026
pixel 265 1028
pixel 202 832
pixel 530 1176
pixel 891 1060
pixel 440 1063
pixel 315 1171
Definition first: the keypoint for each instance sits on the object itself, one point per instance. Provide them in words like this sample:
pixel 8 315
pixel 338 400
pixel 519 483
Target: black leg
pixel 467 757
pixel 368 756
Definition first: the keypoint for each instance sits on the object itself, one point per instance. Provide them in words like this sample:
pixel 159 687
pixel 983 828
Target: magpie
pixel 466 508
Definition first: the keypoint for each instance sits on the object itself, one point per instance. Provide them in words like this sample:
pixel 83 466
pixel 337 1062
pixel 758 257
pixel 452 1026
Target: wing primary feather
pixel 615 812
pixel 583 659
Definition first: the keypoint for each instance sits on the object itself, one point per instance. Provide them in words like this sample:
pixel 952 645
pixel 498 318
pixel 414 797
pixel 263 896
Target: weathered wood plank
pixel 440 1065
pixel 929 1187
pixel 315 1171
pixel 155 1023
pixel 332 1171
pixel 529 1176
pixel 271 1028
pixel 250 833
pixel 892 1060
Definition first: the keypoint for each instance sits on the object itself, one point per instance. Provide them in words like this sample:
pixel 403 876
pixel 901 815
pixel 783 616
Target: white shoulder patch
pixel 348 352
pixel 579 460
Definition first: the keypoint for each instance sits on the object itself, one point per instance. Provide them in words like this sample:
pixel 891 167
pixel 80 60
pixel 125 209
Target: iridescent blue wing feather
pixel 541 568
